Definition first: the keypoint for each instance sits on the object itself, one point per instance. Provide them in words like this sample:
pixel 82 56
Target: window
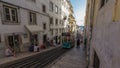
pixel 60 22
pixel 44 38
pixel 60 30
pixel 56 9
pixel 34 39
pixel 32 18
pixel 44 8
pixel 56 31
pixel 13 40
pixel 51 30
pixel 51 6
pixel 10 14
pixel 44 26
pixel 51 21
pixel 56 21
pixel 60 11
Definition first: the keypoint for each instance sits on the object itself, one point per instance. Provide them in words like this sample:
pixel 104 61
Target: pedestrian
pixel 58 41
pixel 8 52
pixel 78 43
pixel 35 48
pixel 54 42
pixel 13 51
pixel 48 42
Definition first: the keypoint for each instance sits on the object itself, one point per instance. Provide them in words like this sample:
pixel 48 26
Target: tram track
pixel 37 61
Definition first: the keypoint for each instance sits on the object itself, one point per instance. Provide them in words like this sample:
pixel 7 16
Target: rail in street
pixel 37 61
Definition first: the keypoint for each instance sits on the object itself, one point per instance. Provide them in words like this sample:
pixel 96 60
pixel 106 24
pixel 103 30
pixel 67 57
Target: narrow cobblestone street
pixel 73 59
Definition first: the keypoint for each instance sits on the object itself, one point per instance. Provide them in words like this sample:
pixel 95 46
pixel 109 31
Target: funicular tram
pixel 67 40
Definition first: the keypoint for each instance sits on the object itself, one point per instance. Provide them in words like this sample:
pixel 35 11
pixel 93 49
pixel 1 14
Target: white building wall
pixel 23 3
pixel 55 16
pixel 25 6
pixel 65 12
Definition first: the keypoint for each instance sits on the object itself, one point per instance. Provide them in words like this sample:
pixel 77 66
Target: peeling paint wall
pixel 105 36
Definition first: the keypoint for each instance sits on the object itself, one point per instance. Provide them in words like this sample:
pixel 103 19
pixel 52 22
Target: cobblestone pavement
pixel 73 59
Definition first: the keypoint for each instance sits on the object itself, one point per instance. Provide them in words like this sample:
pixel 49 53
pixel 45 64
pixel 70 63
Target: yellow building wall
pixel 88 12
pixel 116 11
pixel 96 8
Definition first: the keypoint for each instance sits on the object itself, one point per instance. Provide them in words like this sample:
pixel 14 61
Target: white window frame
pixel 56 31
pixel 51 30
pixel 44 8
pixel 59 30
pixel 44 26
pixel 56 9
pixel 32 18
pixel 10 14
pixel 51 20
pixel 56 21
pixel 51 6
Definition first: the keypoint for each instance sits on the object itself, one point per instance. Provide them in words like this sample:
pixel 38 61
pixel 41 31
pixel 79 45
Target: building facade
pixel 31 22
pixel 72 22
pixel 22 23
pixel 102 33
pixel 59 18
pixel 55 19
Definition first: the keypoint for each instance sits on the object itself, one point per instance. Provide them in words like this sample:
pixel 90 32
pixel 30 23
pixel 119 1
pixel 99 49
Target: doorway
pixel 14 42
pixel 44 38
pixel 34 39
pixel 56 39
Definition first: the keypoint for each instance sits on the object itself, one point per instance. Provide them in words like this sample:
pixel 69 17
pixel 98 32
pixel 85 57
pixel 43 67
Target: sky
pixel 79 8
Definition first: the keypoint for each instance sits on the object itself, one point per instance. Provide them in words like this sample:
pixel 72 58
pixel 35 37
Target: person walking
pixel 78 43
